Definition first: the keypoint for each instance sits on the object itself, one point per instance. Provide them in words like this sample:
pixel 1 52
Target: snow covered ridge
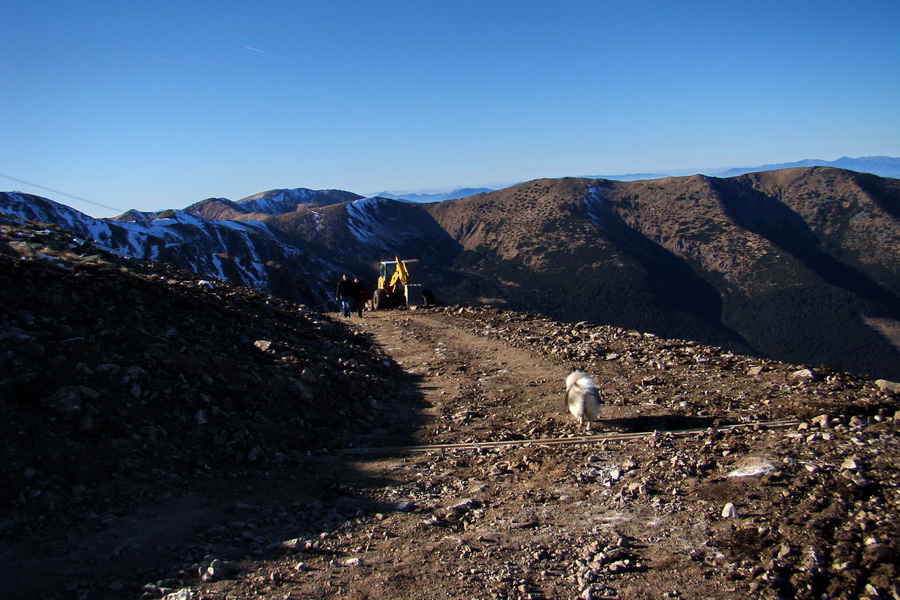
pixel 246 252
pixel 365 219
pixel 277 202
pixel 280 201
pixel 129 237
pixel 243 252
pixel 35 208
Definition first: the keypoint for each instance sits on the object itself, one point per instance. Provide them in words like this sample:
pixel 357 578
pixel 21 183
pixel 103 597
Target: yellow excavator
pixel 396 289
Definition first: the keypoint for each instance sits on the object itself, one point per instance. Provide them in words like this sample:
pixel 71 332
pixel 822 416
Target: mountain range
pixel 434 196
pixel 885 166
pixel 800 264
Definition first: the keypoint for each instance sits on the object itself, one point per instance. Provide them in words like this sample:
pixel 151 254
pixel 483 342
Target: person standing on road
pixel 361 294
pixel 345 295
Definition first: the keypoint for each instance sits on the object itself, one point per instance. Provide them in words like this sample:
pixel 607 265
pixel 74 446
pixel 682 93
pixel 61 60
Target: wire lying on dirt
pixel 585 439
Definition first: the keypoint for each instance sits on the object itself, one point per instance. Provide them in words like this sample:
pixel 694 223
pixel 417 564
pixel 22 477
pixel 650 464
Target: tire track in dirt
pixel 525 513
pixel 499 522
pixel 475 388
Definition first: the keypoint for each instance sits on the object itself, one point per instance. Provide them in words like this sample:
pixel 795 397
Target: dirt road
pixel 719 514
pixel 803 512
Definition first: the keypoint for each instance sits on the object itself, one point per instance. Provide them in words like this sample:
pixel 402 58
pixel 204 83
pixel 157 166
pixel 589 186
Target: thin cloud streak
pixel 257 50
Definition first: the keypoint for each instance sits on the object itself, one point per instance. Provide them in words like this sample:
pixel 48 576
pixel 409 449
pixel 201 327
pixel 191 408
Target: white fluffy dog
pixel 582 397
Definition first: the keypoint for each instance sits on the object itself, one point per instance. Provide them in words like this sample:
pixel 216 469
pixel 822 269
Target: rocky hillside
pixel 120 376
pixel 800 264
pixel 169 436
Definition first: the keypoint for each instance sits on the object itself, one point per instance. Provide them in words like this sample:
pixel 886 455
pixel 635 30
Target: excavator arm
pixel 401 271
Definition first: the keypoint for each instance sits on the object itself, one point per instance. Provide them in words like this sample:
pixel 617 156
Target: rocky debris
pixel 216 412
pixel 664 383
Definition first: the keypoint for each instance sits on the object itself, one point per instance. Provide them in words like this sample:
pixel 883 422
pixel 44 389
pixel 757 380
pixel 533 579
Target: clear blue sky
pixel 159 104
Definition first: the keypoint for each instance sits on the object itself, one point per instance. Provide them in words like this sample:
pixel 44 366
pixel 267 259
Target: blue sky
pixel 153 105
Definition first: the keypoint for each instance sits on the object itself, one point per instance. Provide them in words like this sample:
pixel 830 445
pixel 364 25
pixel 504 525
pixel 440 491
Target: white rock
pixel 849 464
pixel 804 374
pixel 888 386
pixel 730 512
pixel 753 467
pixel 263 345
pixel 822 421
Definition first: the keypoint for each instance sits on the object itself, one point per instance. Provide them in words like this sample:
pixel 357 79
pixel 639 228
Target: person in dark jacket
pixel 362 295
pixel 346 295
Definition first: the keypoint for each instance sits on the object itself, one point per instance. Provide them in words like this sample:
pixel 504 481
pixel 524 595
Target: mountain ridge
pixel 720 254
pixel 794 264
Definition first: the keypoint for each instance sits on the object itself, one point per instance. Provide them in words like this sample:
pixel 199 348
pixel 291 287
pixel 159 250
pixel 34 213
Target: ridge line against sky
pixel 162 105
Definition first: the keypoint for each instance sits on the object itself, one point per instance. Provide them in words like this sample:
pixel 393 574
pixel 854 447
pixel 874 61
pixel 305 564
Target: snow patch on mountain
pixel 318 219
pixel 616 231
pixel 365 220
pixel 252 267
pixel 240 251
pixel 598 209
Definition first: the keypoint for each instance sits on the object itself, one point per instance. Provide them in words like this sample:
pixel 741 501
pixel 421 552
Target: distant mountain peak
pixel 281 201
pixel 883 166
pixel 426 197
